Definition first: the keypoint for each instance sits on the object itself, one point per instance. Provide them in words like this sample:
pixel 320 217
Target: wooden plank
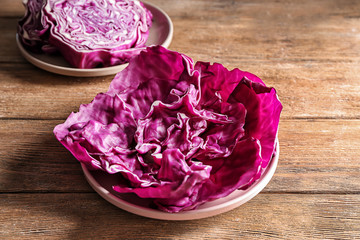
pixel 307 56
pixel 320 156
pixel 254 30
pixel 33 93
pixel 301 30
pixel 267 216
pixel 33 160
pixel 11 8
pixel 336 91
pixel 308 50
pixel 9 51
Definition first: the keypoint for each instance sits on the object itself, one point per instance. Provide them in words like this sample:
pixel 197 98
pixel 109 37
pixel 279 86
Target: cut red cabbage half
pixel 88 33
pixel 175 132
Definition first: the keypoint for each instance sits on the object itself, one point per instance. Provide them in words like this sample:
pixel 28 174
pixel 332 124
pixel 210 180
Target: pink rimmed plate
pixel 102 183
pixel 161 33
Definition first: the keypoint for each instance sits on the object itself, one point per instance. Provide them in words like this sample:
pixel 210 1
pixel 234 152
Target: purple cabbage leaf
pixel 180 133
pixel 88 33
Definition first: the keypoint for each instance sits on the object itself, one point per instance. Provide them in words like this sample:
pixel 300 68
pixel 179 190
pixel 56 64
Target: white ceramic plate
pixel 161 33
pixel 102 183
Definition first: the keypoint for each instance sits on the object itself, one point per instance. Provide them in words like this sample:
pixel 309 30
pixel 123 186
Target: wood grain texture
pixel 260 30
pixel 307 56
pixel 316 156
pixel 307 49
pixel 36 94
pixel 9 51
pixel 39 94
pixel 11 9
pixel 267 216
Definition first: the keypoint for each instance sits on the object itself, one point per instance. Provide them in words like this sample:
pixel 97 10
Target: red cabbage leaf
pixel 180 133
pixel 88 33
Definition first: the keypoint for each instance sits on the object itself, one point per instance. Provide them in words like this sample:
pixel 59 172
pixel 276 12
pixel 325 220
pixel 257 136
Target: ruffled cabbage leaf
pixel 180 133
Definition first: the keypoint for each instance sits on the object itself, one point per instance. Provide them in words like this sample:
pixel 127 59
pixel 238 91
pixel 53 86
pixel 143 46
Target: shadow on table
pixel 46 194
pixel 30 74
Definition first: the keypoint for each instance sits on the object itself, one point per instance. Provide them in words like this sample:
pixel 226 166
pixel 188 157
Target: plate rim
pixel 226 206
pixel 91 72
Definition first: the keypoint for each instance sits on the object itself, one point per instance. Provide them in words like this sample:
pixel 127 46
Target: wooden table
pixel 308 50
